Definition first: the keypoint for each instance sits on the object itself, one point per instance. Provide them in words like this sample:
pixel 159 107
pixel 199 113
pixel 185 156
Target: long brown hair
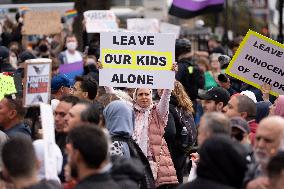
pixel 182 98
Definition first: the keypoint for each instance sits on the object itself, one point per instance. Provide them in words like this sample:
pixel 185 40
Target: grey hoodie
pixel 120 121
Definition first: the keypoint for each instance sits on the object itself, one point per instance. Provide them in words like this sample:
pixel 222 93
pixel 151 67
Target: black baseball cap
pixel 26 55
pixel 218 94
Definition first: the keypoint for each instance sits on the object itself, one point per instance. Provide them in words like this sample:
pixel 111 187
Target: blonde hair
pixel 182 98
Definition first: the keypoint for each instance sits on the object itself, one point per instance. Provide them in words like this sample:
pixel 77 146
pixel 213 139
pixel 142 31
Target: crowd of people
pixel 210 131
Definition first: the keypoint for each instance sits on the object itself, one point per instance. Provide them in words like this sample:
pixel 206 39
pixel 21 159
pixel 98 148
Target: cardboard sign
pixel 149 25
pixel 37 82
pixel 42 23
pixel 47 121
pixel 7 85
pixel 170 28
pixel 259 60
pixel 137 60
pixel 100 21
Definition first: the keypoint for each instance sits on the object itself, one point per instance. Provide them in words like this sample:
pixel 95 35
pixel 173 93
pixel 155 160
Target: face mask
pixel 43 48
pixel 13 61
pixel 71 46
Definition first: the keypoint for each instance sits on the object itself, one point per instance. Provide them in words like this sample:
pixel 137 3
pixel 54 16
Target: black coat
pixel 174 128
pixel 101 181
pixel 45 184
pixel 200 183
pixel 190 77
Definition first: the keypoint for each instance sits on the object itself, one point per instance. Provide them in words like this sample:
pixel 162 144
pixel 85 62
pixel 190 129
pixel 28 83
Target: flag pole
pixel 280 25
pixel 225 38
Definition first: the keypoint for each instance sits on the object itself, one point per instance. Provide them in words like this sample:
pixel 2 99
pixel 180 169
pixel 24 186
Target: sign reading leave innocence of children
pixel 147 25
pixel 47 120
pixel 259 60
pixel 137 60
pixel 37 82
pixel 100 21
pixel 42 23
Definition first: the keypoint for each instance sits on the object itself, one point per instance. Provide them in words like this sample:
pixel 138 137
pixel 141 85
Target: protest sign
pixel 137 60
pixel 50 160
pixel 259 60
pixel 149 25
pixel 41 23
pixel 100 21
pixel 71 70
pixel 37 82
pixel 7 85
pixel 170 28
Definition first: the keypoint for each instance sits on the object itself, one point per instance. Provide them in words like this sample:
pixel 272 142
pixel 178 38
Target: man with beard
pixel 268 139
pixel 215 99
pixel 65 104
pixel 87 149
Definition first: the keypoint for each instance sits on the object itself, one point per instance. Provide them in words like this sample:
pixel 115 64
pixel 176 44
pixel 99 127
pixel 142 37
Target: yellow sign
pixel 7 85
pixel 137 60
pixel 259 60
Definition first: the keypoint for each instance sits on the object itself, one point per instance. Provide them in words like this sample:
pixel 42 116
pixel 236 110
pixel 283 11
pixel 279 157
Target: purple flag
pixel 71 70
pixel 192 8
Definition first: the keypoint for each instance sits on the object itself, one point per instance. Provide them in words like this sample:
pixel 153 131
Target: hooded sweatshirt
pixel 262 110
pixel 120 121
pixel 222 165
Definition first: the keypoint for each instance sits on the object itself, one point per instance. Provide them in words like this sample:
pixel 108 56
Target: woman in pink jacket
pixel 150 121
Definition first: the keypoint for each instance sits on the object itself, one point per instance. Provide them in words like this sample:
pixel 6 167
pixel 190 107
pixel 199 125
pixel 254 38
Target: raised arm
pixel 163 105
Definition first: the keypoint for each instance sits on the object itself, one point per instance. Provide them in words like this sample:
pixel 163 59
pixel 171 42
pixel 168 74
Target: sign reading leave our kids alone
pixel 259 60
pixel 137 60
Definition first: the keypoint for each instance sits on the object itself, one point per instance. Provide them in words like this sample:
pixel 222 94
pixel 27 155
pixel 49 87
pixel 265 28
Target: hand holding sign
pixel 137 60
pixel 265 89
pixel 259 60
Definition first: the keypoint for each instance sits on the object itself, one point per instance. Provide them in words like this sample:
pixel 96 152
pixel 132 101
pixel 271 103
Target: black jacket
pixel 201 183
pixel 46 184
pixel 101 181
pixel 174 128
pixel 190 77
pixel 126 172
pixel 18 128
pixel 131 168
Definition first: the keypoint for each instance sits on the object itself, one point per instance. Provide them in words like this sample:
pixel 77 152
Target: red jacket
pixel 253 126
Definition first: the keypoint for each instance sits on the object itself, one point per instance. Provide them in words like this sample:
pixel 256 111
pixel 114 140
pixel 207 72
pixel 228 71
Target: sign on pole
pixel 37 82
pixel 100 21
pixel 148 25
pixel 259 60
pixel 137 60
pixel 47 121
pixel 42 23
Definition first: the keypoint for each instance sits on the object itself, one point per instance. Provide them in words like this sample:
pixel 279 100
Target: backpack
pixel 186 120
